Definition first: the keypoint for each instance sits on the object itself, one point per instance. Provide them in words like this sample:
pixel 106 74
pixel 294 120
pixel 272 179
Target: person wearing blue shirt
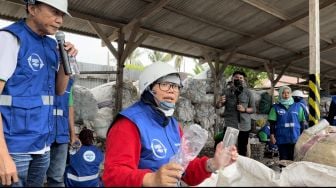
pixel 286 120
pixel 83 169
pixel 299 98
pixel 63 134
pixel 30 76
pixel 332 112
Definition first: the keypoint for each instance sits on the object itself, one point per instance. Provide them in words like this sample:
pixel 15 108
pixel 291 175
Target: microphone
pixel 64 55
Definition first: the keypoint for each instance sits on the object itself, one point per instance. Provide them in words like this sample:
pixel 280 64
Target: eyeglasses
pixel 165 86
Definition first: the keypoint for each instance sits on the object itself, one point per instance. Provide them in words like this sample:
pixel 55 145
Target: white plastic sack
pixel 103 121
pixel 317 144
pixel 249 172
pixel 85 104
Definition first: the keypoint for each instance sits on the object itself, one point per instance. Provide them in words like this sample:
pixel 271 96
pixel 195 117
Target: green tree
pixel 134 58
pixel 156 56
pixel 254 78
pixel 198 67
pixel 133 61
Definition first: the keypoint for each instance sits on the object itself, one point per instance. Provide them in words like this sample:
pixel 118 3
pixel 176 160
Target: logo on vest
pixel 89 156
pixel 158 149
pixel 281 112
pixel 35 62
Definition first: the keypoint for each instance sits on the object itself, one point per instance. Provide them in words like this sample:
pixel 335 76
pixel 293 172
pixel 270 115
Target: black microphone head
pixel 60 36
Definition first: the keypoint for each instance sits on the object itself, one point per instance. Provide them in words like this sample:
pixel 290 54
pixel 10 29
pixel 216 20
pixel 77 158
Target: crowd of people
pixel 37 118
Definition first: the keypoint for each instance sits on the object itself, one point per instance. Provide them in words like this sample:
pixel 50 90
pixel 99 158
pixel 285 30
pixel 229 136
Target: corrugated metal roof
pixel 262 30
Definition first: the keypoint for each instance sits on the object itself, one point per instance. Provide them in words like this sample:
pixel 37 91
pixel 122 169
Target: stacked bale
pixel 85 104
pixel 105 95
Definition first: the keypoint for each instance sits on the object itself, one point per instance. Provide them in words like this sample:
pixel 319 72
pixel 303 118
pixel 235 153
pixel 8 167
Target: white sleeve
pixel 9 46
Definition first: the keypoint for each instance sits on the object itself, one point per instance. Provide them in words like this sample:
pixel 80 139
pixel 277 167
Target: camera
pixel 238 90
pixel 238 87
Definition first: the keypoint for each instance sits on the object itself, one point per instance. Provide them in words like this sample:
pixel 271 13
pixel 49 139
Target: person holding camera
pixel 239 104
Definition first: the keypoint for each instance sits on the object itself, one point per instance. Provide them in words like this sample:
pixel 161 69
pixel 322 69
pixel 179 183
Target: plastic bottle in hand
pixel 75 147
pixel 74 66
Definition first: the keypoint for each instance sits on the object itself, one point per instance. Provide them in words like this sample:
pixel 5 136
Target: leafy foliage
pixel 156 56
pixel 198 69
pixel 133 61
pixel 138 67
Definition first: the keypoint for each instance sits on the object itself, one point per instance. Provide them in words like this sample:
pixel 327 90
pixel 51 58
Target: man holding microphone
pixel 30 76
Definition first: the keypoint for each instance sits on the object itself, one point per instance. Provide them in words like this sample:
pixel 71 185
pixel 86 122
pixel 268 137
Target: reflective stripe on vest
pixel 289 124
pixel 6 100
pixel 48 99
pixel 83 178
pixel 58 112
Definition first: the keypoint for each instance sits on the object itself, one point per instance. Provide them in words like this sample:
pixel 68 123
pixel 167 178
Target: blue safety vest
pixel 333 121
pixel 159 142
pixel 304 106
pixel 287 129
pixel 61 133
pixel 83 169
pixel 26 103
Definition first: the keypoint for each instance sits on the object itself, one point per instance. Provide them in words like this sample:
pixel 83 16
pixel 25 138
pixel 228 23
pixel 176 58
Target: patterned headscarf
pixel 285 102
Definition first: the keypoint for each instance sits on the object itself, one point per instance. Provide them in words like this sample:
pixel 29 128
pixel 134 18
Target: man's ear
pixel 31 9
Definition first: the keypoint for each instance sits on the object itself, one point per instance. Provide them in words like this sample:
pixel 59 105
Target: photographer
pixel 239 104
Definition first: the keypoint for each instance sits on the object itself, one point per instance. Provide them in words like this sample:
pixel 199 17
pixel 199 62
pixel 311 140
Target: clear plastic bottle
pixel 74 66
pixel 75 147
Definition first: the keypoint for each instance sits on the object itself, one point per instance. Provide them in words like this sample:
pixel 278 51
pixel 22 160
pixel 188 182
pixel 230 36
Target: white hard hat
pixel 152 73
pixel 297 93
pixel 61 5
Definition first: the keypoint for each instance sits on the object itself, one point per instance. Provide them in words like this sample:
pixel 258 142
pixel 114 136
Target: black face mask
pixel 237 83
pixel 296 99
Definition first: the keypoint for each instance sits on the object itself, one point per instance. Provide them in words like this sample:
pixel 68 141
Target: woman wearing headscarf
pixel 286 122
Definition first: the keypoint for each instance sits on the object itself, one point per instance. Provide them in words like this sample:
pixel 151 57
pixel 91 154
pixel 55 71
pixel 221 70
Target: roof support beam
pixel 226 63
pixel 197 18
pixel 132 44
pixel 301 57
pixel 101 34
pixel 282 15
pixel 264 33
pixel 150 10
pixel 166 36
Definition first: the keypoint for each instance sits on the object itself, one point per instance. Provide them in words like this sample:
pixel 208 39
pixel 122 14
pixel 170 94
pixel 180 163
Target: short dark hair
pixel 86 136
pixel 239 72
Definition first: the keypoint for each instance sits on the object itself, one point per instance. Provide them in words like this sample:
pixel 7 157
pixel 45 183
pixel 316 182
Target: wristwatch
pixel 210 166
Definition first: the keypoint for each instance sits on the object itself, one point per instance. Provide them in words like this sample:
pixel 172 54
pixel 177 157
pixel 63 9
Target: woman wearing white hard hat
pixel 145 136
pixel 30 77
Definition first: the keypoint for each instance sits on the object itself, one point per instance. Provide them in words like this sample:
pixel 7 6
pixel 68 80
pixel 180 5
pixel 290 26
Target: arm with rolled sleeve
pixel 251 104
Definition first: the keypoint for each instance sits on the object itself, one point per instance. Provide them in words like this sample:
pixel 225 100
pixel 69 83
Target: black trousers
pixel 286 151
pixel 243 137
